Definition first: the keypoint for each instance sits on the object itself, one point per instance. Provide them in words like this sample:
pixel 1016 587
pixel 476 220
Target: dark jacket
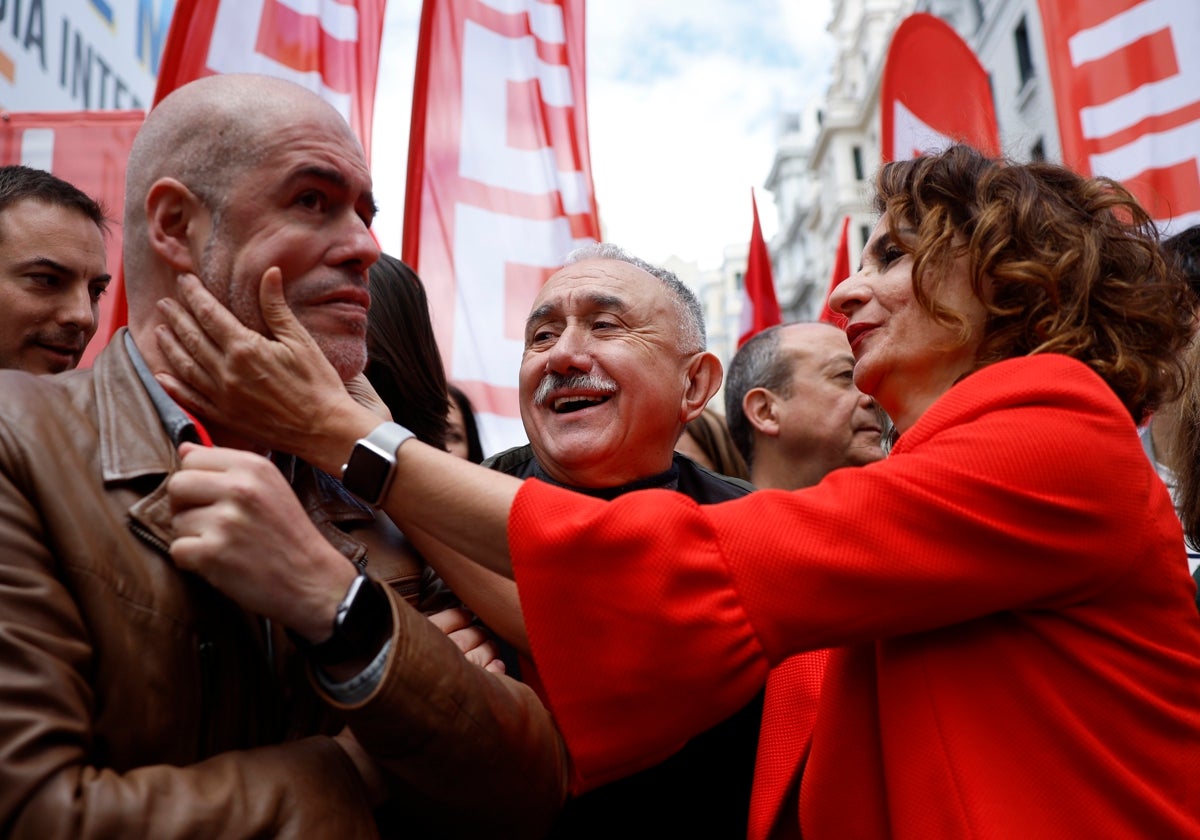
pixel 136 700
pixel 703 790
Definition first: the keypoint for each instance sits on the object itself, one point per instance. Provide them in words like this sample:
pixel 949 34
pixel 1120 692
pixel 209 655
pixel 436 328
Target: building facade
pixel 828 154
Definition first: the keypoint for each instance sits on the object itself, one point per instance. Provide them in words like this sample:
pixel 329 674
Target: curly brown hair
pixel 1182 452
pixel 1062 263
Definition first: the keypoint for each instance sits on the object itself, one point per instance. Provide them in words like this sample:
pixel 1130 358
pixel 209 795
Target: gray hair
pixel 692 336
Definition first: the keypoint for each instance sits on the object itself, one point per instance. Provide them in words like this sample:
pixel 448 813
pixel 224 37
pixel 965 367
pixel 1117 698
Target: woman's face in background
pixel 456 432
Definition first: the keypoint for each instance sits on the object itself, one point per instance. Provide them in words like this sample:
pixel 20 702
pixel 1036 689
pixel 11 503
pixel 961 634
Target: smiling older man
pixel 614 367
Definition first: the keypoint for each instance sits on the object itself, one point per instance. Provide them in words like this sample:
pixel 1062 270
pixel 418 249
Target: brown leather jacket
pixel 137 701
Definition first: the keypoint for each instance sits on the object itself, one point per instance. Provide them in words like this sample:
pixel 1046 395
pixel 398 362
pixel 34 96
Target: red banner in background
pixel 330 47
pixel 841 270
pixel 89 150
pixel 760 306
pixel 1126 79
pixel 934 92
pixel 499 185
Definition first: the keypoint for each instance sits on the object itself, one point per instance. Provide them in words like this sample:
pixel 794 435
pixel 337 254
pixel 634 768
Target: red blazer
pixel 1017 648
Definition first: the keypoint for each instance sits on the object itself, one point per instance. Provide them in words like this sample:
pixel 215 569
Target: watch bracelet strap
pixel 388 436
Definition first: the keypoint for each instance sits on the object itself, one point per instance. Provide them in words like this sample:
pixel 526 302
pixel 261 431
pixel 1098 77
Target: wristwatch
pixel 361 625
pixel 368 473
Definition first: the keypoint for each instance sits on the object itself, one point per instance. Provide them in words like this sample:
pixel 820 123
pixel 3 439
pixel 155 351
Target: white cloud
pixel 682 106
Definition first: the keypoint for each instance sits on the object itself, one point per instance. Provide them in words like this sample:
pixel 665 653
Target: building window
pixel 1038 151
pixel 992 91
pixel 864 234
pixel 1024 53
pixel 858 163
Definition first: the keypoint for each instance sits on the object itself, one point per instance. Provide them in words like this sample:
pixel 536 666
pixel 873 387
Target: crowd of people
pixel 929 576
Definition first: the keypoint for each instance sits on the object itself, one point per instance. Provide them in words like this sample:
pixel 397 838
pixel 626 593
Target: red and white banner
pixel 330 47
pixel 499 185
pixel 934 92
pixel 88 149
pixel 1126 78
pixel 760 307
pixel 841 270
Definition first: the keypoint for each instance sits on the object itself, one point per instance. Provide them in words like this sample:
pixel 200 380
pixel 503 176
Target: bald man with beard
pixel 279 690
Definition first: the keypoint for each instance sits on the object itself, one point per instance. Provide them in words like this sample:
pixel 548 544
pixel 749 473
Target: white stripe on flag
pixel 37 148
pixel 340 20
pixel 232 50
pixel 545 19
pixel 489 62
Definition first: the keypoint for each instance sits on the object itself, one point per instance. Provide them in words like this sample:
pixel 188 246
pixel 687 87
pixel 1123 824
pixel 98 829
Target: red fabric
pixel 917 117
pixel 841 270
pixel 201 432
pixel 760 309
pixel 186 49
pixel 1017 647
pixel 789 713
pixel 1125 92
pixel 499 185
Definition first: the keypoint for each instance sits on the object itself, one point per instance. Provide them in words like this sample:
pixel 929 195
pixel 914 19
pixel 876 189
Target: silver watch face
pixel 367 472
pixel 373 461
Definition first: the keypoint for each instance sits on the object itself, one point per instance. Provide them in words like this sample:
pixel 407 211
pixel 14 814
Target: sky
pixel 683 105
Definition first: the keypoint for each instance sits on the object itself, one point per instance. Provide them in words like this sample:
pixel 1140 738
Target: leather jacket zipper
pixel 205 650
pixel 146 536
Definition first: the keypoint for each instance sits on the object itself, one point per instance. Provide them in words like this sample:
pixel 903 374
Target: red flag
pixel 88 149
pixel 499 185
pixel 841 270
pixel 916 116
pixel 330 47
pixel 760 309
pixel 1127 92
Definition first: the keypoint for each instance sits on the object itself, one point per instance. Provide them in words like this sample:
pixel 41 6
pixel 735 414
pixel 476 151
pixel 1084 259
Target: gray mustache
pixel 552 382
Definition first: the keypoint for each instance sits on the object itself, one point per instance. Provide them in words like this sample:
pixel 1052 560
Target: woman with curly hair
pixel 1014 649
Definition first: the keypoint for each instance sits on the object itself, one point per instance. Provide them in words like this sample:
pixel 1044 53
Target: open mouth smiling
pixel 577 402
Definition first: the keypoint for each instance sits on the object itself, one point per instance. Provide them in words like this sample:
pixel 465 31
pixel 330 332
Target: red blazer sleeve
pixel 652 618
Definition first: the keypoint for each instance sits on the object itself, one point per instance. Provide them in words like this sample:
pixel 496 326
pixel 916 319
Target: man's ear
pixel 178 224
pixel 704 379
pixel 761 409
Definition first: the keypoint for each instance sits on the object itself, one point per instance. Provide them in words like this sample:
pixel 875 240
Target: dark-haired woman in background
pixel 404 365
pixel 462 436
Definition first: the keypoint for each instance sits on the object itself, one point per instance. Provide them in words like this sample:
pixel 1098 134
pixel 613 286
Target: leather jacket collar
pixel 140 428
